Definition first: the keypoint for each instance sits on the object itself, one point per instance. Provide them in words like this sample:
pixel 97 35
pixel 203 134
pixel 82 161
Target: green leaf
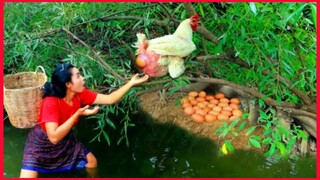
pixel 250 130
pixel 296 14
pixel 267 132
pixel 106 137
pixel 267 141
pixel 302 135
pixel 235 133
pixel 242 125
pixel 255 143
pixel 282 149
pixel 253 8
pixel 229 146
pixel 271 151
pixel 314 14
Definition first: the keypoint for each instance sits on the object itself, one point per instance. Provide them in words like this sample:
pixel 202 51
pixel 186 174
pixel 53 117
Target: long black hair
pixel 57 87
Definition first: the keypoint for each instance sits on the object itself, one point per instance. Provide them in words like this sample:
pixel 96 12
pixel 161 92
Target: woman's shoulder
pixel 50 100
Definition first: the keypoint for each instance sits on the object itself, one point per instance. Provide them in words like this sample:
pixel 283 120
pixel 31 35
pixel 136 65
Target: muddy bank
pixel 166 111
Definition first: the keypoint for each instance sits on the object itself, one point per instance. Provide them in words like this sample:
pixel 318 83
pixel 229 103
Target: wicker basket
pixel 23 96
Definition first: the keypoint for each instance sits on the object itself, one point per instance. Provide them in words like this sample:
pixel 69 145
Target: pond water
pixel 160 150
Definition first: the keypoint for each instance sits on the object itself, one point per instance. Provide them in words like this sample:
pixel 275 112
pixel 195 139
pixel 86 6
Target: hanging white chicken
pixel 157 57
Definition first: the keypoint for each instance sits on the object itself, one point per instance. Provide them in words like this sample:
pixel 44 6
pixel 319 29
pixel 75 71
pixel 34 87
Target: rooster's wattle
pixel 157 57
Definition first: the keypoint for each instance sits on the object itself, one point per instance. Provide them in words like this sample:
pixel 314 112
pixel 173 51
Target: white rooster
pixel 158 56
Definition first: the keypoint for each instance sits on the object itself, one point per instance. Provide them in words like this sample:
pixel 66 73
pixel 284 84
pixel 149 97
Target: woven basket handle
pixel 44 72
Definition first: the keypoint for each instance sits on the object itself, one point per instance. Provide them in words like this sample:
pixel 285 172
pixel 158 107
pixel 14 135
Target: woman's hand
pixel 136 80
pixel 85 111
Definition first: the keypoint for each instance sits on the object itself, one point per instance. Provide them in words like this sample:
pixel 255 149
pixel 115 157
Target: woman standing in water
pixel 51 145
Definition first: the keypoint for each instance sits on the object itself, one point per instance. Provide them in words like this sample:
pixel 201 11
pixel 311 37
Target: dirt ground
pixel 166 111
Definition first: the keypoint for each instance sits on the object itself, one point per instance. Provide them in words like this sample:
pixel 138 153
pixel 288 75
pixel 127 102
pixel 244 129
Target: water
pixel 160 150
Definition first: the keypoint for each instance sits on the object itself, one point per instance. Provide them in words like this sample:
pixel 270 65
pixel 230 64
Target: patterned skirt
pixel 42 156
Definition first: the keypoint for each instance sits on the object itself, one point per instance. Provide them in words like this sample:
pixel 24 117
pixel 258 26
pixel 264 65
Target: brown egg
pixel 189 110
pixel 228 113
pixel 205 102
pixel 209 97
pixel 202 94
pixel 207 109
pixel 219 96
pixel 194 102
pixel 234 106
pixel 222 117
pixel 197 118
pixel 235 100
pixel 201 112
pixel 196 108
pixel 210 118
pixel 140 62
pixel 237 112
pixel 185 105
pixel 223 104
pixel 214 112
pixel 200 99
pixel 214 101
pixel 210 105
pixel 184 100
pixel 217 108
pixel 191 98
pixel 224 100
pixel 233 118
pixel 227 108
pixel 193 94
pixel 201 105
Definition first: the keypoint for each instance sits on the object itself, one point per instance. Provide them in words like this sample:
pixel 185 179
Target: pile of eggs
pixel 209 108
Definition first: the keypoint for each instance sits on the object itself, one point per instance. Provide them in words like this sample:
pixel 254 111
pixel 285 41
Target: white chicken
pixel 157 57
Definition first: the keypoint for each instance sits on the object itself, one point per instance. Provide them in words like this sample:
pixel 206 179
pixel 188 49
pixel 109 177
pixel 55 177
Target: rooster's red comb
pixel 195 17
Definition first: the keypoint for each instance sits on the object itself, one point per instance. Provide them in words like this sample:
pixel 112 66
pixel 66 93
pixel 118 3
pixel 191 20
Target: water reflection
pixel 161 150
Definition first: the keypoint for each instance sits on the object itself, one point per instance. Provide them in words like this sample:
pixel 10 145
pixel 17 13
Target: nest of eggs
pixel 203 107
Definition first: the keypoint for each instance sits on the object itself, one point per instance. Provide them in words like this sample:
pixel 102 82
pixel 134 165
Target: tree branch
pixel 99 60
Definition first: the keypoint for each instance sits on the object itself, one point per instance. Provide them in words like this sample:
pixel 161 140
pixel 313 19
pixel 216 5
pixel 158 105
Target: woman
pixel 51 145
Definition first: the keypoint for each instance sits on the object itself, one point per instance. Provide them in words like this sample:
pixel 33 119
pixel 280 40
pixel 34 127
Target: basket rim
pixel 26 88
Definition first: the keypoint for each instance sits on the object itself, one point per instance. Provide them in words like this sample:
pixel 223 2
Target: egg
pixel 207 109
pixel 214 101
pixel 189 110
pixel 205 102
pixel 233 118
pixel 235 100
pixel 201 112
pixel 222 117
pixel 209 97
pixel 214 112
pixel 196 108
pixel 185 105
pixel 184 100
pixel 193 94
pixel 197 118
pixel 227 108
pixel 201 105
pixel 219 95
pixel 210 105
pixel 140 62
pixel 234 106
pixel 210 118
pixel 237 112
pixel 200 99
pixel 228 113
pixel 202 94
pixel 223 104
pixel 191 98
pixel 217 108
pixel 194 102
pixel 224 100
